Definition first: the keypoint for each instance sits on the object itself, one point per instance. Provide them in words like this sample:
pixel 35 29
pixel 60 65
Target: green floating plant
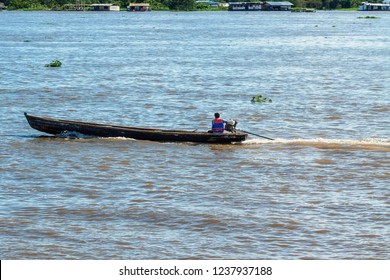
pixel 260 99
pixel 54 63
pixel 369 17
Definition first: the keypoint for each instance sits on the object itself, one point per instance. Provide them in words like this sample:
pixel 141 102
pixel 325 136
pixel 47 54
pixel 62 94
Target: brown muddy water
pixel 320 190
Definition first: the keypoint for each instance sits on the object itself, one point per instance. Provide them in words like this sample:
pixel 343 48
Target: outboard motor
pixel 231 126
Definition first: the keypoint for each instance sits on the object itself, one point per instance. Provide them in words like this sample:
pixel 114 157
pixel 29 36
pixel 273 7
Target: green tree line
pixel 58 4
pixel 171 4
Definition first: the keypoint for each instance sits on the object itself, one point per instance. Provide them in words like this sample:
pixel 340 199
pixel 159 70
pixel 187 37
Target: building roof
pixel 207 2
pixel 102 5
pixel 138 4
pixel 375 4
pixel 283 3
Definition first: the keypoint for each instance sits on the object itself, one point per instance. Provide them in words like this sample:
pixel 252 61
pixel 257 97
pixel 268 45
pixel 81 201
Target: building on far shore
pixel 277 6
pixel 366 6
pixel 245 6
pixel 212 4
pixel 139 7
pixel 105 7
pixel 260 6
pixel 2 6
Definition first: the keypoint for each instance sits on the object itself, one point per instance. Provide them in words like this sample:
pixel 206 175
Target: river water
pixel 320 190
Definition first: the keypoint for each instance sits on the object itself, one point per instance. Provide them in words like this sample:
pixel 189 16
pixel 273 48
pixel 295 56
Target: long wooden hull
pixel 56 126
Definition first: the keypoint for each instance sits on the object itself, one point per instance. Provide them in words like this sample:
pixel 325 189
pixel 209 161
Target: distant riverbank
pixel 167 10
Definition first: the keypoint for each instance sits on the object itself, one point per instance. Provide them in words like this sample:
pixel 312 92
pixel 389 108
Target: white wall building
pixel 105 7
pixel 366 6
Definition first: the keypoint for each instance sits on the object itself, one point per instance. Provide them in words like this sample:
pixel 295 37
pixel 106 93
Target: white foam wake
pixel 325 143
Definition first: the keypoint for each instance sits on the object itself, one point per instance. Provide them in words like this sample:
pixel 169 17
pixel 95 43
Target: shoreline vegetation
pixel 169 5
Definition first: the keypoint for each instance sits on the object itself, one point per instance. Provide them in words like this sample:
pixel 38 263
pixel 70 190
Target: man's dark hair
pixel 216 115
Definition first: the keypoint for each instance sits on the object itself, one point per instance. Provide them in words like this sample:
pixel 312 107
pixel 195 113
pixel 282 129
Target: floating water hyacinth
pixel 54 63
pixel 369 17
pixel 260 99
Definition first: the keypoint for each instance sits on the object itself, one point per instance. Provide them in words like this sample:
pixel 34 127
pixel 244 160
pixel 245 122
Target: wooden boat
pixel 56 127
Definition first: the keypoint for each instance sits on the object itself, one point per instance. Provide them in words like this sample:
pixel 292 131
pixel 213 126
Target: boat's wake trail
pixel 321 143
pixel 73 135
pixel 77 135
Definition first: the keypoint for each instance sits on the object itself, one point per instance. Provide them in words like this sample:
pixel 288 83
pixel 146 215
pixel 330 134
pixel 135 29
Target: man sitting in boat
pixel 219 125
